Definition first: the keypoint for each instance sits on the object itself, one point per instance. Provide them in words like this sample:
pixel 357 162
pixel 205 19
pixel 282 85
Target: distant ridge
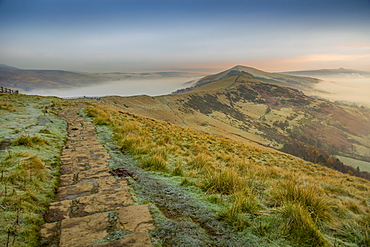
pixel 27 80
pixel 329 73
pixel 7 66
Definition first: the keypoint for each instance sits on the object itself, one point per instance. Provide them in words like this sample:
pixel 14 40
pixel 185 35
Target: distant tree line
pixel 183 90
pixel 318 156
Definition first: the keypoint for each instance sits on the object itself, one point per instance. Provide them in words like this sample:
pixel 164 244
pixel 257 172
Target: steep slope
pixel 249 110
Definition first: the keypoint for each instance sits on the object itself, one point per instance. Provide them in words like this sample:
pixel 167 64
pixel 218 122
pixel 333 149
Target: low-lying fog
pixel 353 89
pixel 349 89
pixel 126 87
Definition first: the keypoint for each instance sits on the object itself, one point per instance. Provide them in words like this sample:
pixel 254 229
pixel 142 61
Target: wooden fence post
pixel 8 90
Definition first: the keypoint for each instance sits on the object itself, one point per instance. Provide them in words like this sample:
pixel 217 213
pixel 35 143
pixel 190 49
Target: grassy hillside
pixel 204 189
pixel 31 138
pixel 266 198
pixel 361 165
pixel 249 110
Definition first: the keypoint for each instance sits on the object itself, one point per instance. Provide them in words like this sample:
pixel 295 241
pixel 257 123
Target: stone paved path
pixel 93 208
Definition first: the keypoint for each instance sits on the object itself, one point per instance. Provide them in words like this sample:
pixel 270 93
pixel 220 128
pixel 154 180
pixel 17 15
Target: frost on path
pixel 93 208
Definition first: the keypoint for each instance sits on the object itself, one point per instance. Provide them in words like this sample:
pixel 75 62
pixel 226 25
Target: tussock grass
pixel 178 171
pixel 248 202
pixel 298 225
pixel 29 141
pixel 225 181
pixel 308 196
pixel 358 232
pixel 274 196
pixel 133 144
pixel 160 152
pixel 155 162
pixel 235 217
pixel 200 161
pixel 7 107
pixel 26 189
pixel 187 182
pixel 245 205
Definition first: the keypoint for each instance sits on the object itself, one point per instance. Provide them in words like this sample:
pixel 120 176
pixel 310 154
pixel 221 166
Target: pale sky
pixel 147 35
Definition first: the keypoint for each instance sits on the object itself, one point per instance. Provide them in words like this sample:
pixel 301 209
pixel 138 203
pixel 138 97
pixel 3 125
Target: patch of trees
pixel 183 90
pixel 318 156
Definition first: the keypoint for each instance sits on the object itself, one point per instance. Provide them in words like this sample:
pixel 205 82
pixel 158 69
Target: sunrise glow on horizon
pixel 106 36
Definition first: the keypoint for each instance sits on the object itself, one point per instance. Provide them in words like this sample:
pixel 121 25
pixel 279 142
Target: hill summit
pixel 304 84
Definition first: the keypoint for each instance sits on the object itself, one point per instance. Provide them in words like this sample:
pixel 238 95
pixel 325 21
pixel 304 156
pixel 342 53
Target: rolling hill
pixel 245 109
pixel 304 84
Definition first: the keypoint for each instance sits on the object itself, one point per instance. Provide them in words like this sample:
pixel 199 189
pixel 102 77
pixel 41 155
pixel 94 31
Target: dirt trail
pixel 93 208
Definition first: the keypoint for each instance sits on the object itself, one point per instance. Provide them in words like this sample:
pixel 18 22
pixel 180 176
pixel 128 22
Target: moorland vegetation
pixel 273 197
pixel 246 109
pixel 31 140
pixel 202 188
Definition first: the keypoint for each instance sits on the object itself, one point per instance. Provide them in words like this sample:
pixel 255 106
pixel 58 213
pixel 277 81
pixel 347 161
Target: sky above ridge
pixel 148 35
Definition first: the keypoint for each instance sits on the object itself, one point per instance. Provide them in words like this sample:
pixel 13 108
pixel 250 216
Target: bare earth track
pixel 93 208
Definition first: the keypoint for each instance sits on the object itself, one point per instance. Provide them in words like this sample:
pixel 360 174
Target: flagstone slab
pixel 84 231
pixel 109 185
pixel 98 203
pixel 67 179
pixel 136 218
pixel 49 234
pixel 136 239
pixel 75 191
pixel 59 211
pixel 93 174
